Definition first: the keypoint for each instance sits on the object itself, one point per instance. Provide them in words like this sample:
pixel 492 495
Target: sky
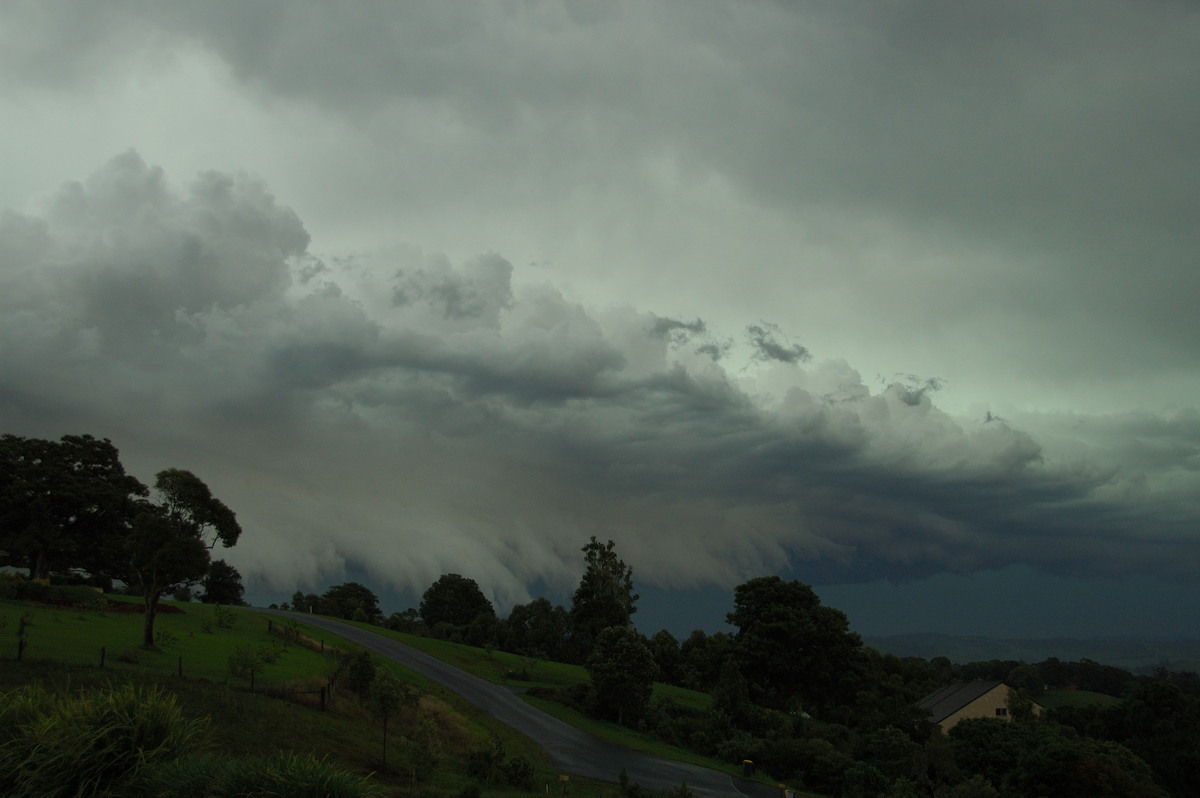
pixel 897 299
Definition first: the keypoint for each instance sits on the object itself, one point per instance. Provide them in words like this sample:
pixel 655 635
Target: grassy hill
pixel 96 643
pixel 428 750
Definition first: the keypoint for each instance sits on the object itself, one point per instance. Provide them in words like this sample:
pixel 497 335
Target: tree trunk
pixel 151 599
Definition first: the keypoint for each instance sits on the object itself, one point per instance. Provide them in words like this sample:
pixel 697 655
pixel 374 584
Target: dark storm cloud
pixel 1039 160
pixel 500 424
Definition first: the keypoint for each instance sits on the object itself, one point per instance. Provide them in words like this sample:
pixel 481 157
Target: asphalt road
pixel 571 750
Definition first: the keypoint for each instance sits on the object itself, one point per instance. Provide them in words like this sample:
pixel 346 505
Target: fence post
pixel 181 667
pixel 323 688
pixel 102 657
pixel 22 627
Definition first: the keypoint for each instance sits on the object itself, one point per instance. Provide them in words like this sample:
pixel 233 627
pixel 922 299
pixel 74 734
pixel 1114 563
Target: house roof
pixel 941 704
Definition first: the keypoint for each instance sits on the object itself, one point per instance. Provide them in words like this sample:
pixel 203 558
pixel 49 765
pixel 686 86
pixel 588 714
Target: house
pixel 982 699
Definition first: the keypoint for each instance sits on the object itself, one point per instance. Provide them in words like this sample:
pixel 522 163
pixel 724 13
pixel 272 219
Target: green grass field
pixel 1053 699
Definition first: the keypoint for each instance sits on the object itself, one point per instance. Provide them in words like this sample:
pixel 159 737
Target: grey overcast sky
pixel 897 299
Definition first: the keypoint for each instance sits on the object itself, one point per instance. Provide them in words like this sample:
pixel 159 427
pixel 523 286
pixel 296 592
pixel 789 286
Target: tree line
pixel 69 508
pixel 791 687
pixel 797 693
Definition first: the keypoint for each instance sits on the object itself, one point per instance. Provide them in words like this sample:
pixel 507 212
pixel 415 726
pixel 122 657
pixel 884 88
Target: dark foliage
pixel 604 598
pixel 343 600
pixel 222 585
pixel 454 600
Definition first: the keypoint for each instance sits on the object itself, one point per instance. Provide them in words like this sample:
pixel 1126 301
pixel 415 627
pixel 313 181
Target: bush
pixel 224 617
pixel 245 661
pixel 66 595
pixel 87 744
pixel 282 774
pixel 360 672
pixel 491 766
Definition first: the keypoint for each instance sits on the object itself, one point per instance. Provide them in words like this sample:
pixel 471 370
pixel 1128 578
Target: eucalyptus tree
pixel 169 541
pixel 604 598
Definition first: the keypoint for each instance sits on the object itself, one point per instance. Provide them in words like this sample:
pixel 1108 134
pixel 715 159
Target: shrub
pixel 90 743
pixel 490 766
pixel 245 661
pixel 224 617
pixel 282 774
pixel 360 673
pixel 518 772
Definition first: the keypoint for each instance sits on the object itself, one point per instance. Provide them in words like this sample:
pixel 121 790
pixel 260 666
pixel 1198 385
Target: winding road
pixel 570 750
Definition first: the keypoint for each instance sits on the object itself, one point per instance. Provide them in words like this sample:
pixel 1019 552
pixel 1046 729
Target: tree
pixel 342 600
pixel 222 585
pixel 162 555
pixel 538 629
pixel 387 697
pixel 604 598
pixel 622 671
pixel 667 657
pixel 455 600
pixel 64 504
pixel 360 673
pixel 188 501
pixel 792 650
pixel 166 546
pixel 704 657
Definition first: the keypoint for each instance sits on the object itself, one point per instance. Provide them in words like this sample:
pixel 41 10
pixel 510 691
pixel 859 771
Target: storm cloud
pixel 419 415
pixel 845 292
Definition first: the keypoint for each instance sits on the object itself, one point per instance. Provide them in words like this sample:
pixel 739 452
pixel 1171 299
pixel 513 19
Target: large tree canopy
pixel 222 584
pixel 167 547
pixel 792 650
pixel 604 597
pixel 455 600
pixel 348 599
pixel 538 629
pixel 188 501
pixel 622 670
pixel 63 504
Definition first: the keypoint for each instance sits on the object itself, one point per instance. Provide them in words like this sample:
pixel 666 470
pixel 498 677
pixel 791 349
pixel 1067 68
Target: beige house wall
pixel 983 707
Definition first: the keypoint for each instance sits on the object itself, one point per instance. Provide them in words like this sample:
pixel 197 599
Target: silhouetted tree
pixel 604 598
pixel 342 600
pixel 622 671
pixel 792 650
pixel 538 629
pixel 455 600
pixel 222 585
pixel 667 657
pixel 64 504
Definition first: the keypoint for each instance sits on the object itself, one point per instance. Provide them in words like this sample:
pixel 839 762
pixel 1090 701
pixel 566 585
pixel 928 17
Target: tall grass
pixel 85 744
pixel 281 775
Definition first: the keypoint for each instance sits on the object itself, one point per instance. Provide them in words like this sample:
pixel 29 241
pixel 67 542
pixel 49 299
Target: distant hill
pixel 1138 656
